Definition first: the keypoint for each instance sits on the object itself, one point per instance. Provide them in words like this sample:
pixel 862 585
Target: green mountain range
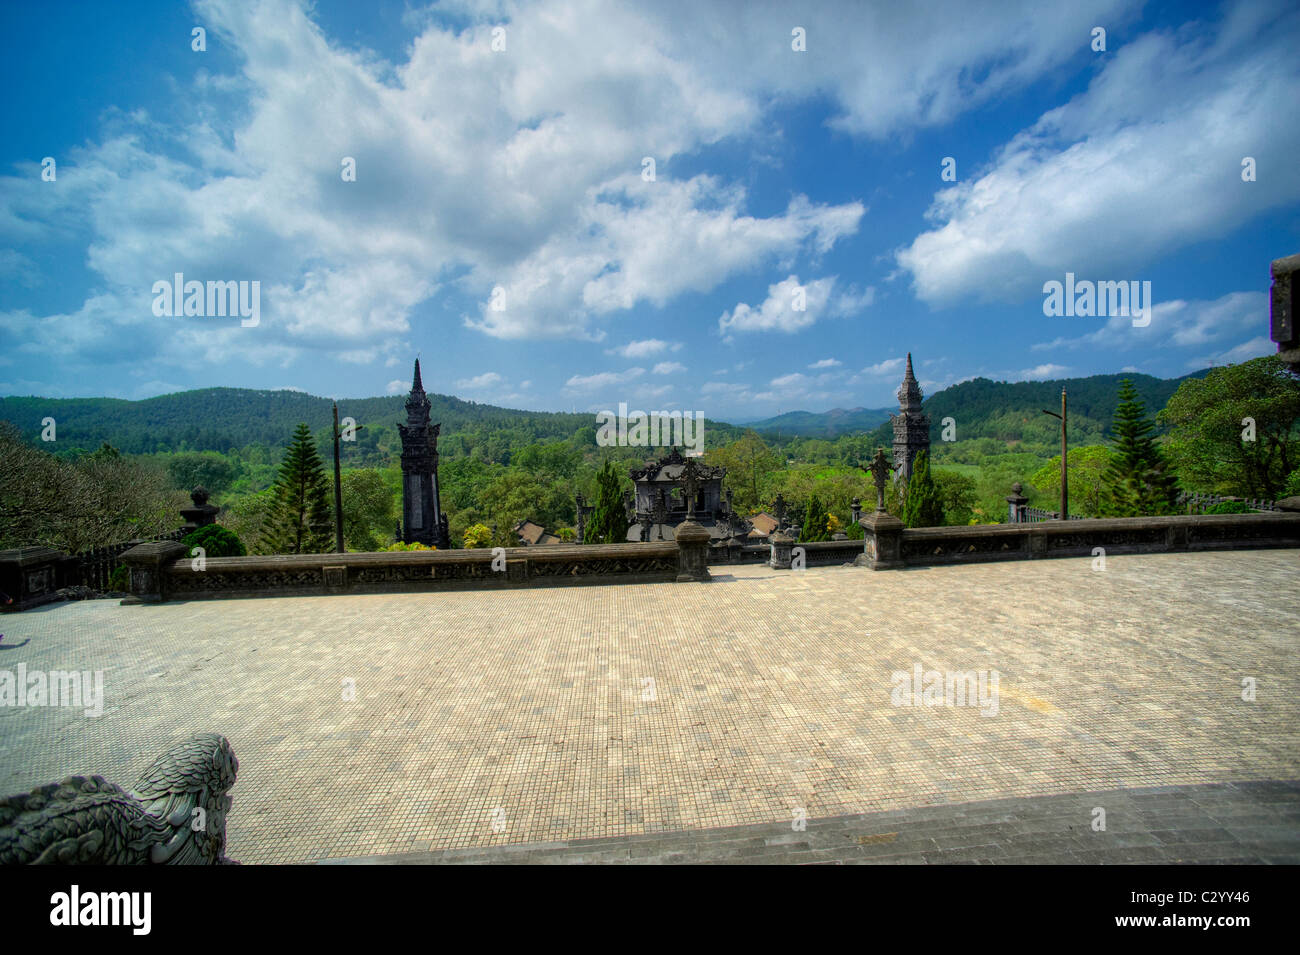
pixel 223 419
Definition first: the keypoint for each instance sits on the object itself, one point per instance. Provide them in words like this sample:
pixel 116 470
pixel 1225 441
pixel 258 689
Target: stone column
pixel 781 544
pixel 1016 504
pixel 856 506
pixel 692 552
pixel 30 576
pixel 1282 309
pixel 147 564
pixel 884 541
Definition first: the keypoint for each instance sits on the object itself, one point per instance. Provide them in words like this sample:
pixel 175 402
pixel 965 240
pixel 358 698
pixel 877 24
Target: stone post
pixel 692 552
pixel 29 576
pixel 201 514
pixel 856 506
pixel 1016 504
pixel 884 541
pixel 1282 309
pixel 782 544
pixel 146 564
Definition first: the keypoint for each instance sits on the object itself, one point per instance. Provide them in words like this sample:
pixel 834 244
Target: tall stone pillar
pixel 911 425
pixel 422 518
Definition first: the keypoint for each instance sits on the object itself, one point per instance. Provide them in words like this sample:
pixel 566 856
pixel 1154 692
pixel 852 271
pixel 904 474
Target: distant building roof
pixel 530 533
pixel 764 523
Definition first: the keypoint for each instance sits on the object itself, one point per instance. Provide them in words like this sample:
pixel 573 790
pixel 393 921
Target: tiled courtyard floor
pixel 542 715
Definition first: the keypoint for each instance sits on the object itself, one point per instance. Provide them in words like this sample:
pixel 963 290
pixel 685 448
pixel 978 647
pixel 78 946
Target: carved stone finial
pixel 880 469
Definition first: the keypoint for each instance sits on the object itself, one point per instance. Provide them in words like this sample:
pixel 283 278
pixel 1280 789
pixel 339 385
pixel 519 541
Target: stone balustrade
pixel 889 544
pixel 164 571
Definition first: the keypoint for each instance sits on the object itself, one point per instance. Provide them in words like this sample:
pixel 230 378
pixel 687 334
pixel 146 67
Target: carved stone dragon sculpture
pixel 90 821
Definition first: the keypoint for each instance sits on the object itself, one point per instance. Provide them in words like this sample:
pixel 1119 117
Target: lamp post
pixel 1065 493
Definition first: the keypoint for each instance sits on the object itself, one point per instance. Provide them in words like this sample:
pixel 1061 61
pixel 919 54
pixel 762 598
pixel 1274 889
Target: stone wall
pixel 166 572
pixel 891 545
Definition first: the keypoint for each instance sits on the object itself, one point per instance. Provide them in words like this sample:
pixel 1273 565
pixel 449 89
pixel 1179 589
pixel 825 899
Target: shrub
pixel 216 541
pixel 478 535
pixel 414 545
pixel 1230 507
pixel 119 581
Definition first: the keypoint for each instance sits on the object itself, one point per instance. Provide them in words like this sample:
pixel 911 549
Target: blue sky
pixel 778 174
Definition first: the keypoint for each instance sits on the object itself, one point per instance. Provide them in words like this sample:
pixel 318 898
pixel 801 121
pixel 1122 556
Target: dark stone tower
pixel 911 426
pixel 422 518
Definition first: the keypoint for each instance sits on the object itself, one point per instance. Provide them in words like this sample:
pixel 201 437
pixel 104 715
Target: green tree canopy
pixel 299 522
pixel 815 522
pixel 1211 441
pixel 1085 470
pixel 369 509
pixel 923 506
pixel 1138 480
pixel 607 523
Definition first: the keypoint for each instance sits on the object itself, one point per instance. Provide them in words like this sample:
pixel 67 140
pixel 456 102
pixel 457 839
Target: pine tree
pixel 924 507
pixel 1138 481
pixel 299 522
pixel 608 521
pixel 814 522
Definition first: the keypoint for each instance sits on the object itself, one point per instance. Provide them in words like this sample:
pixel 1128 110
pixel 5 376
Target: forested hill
pixel 1012 411
pixel 225 419
pixel 827 424
pixel 222 419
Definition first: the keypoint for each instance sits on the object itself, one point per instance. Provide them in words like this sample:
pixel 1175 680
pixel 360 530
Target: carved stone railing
pixel 824 553
pixel 175 814
pixel 1124 535
pixel 165 571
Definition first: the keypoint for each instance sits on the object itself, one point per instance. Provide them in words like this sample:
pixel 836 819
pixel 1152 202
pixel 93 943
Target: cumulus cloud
pixel 604 379
pixel 1220 323
pixel 644 348
pixel 477 170
pixel 1147 160
pixel 668 367
pixel 1044 371
pixel 486 380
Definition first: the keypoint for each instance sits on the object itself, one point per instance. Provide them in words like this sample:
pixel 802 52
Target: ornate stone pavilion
pixel 422 518
pixel 659 503
pixel 911 425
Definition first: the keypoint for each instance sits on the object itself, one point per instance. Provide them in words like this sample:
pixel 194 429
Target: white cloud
pixel 887 368
pixel 1175 325
pixel 668 367
pixel 602 379
pixel 397 386
pixel 826 363
pixel 1146 161
pixel 486 380
pixel 1044 371
pixel 644 348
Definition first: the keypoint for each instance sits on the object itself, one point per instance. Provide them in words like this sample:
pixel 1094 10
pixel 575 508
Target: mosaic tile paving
pixel 568 713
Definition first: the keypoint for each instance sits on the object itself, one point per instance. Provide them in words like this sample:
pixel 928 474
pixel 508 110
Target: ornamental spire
pixel 417 403
pixel 909 393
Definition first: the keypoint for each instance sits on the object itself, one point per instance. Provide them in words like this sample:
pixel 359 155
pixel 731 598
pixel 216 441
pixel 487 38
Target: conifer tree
pixel 608 521
pixel 814 522
pixel 924 506
pixel 299 522
pixel 1138 481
